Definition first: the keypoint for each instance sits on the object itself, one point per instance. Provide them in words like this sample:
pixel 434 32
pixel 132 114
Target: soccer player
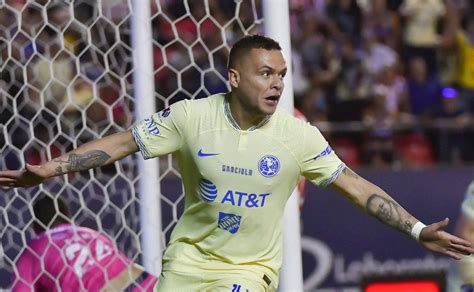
pixel 465 229
pixel 240 158
pixel 67 257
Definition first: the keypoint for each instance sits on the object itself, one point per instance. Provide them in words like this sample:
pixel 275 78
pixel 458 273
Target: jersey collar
pixel 232 121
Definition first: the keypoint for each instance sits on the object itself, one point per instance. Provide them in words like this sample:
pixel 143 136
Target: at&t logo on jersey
pixel 152 127
pixel 229 222
pixel 208 190
pixel 269 165
pixel 242 199
pixel 165 113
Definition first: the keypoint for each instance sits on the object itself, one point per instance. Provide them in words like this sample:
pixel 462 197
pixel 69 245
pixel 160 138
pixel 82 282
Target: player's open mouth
pixel 273 99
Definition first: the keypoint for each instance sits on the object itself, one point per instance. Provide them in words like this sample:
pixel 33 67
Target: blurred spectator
pixel 52 76
pixel 383 18
pixel 313 105
pixel 300 81
pixel 354 80
pixel 353 85
pixel 423 90
pixel 455 143
pixel 311 41
pixel 392 89
pixel 465 43
pixel 377 55
pixel 420 31
pixel 327 69
pixel 344 17
pixel 389 106
pixel 379 149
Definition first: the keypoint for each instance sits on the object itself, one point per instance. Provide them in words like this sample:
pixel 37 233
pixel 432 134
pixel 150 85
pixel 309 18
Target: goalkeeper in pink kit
pixel 67 257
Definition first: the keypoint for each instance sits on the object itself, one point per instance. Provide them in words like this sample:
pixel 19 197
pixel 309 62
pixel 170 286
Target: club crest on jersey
pixel 207 190
pixel 269 166
pixel 229 222
pixel 325 152
pixel 152 127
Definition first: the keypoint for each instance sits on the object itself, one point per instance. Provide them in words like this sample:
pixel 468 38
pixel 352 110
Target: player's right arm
pixel 90 155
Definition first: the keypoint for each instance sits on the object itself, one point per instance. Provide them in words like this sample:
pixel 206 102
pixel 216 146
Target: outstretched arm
pixel 90 155
pixel 376 202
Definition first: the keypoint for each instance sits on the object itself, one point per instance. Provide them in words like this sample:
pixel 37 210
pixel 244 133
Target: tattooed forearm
pixel 78 162
pixel 349 172
pixel 389 212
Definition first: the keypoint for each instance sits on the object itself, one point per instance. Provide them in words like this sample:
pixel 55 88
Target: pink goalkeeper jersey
pixel 68 258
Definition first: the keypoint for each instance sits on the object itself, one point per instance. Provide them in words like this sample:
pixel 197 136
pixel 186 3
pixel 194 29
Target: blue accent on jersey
pixel 146 154
pixel 206 182
pixel 202 154
pixel 165 113
pixel 152 127
pixel 325 152
pixel 208 190
pixel 229 222
pixel 242 199
pixel 269 165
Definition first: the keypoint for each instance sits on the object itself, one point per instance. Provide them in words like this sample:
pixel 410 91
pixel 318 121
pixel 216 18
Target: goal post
pixel 152 241
pixel 277 26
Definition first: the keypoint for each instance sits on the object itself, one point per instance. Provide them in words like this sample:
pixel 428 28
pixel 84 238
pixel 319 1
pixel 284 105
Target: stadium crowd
pixel 389 82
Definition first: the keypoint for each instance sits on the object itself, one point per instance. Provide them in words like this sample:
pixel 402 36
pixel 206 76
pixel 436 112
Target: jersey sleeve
pixel 27 271
pixel 163 132
pixel 319 163
pixel 467 206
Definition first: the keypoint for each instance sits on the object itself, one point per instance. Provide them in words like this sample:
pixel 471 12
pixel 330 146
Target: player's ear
pixel 234 77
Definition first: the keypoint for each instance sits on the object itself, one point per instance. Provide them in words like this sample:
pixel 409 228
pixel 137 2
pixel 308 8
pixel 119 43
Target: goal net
pixel 67 78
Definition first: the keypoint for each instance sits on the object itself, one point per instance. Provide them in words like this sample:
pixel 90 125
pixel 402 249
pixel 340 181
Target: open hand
pixel 434 238
pixel 30 176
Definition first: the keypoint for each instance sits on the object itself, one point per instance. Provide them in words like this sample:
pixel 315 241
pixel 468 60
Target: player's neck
pixel 244 119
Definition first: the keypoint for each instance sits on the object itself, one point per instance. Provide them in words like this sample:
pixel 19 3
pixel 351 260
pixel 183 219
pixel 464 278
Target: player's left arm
pixel 377 203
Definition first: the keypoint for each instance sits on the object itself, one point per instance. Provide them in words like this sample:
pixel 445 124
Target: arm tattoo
pixel 388 212
pixel 79 162
pixel 349 172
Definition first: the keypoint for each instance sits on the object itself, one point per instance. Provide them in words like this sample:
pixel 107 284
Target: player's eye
pixel 265 74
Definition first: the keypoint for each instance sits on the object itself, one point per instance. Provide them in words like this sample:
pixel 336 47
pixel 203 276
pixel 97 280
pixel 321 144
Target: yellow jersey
pixel 236 182
pixel 466 62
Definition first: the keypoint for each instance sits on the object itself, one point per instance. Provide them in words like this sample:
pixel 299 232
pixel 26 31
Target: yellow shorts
pixel 215 281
